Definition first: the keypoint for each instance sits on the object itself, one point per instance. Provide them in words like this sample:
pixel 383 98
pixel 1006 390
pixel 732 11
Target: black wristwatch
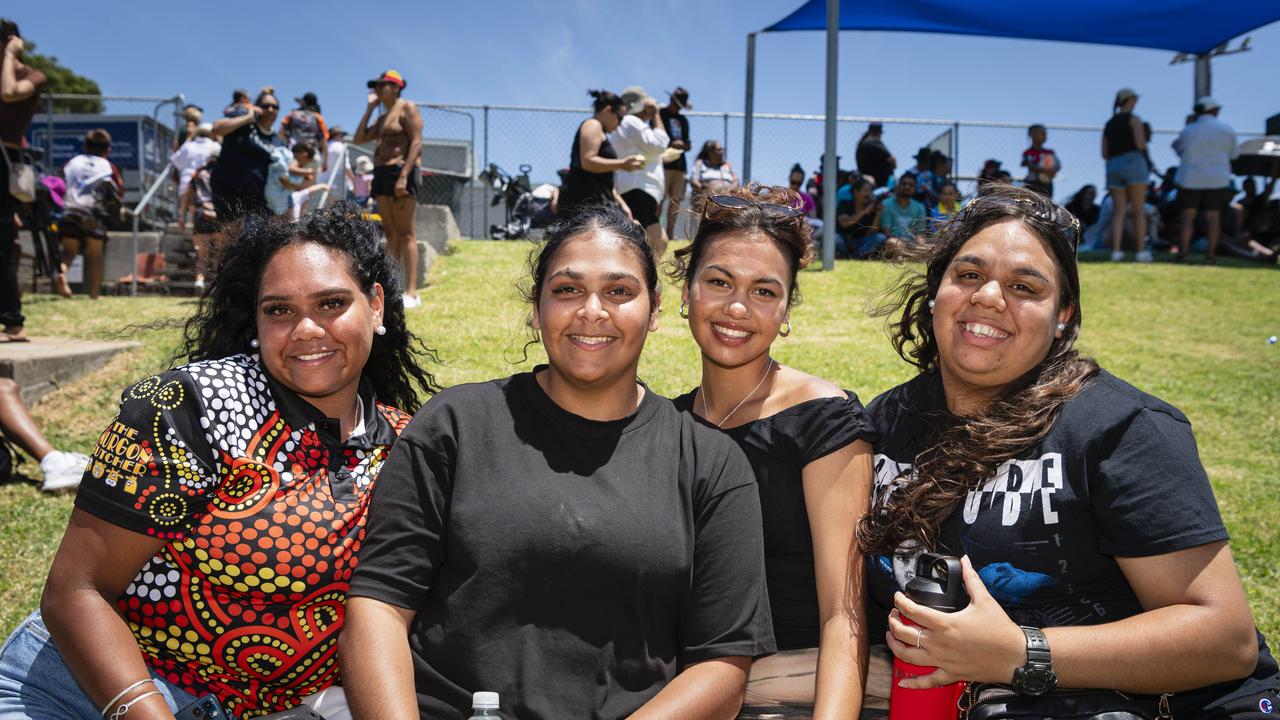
pixel 1036 677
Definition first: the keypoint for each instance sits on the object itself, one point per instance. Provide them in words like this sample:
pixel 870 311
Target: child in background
pixel 278 181
pixel 302 175
pixel 948 201
pixel 362 183
pixel 1041 162
pixel 200 197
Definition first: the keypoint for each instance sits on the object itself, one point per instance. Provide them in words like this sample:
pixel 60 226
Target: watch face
pixel 1034 680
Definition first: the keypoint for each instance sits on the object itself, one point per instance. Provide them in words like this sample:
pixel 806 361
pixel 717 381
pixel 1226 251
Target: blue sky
pixel 550 52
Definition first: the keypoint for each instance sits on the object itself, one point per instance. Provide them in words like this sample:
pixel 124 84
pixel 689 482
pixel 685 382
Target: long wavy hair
pixel 224 321
pixel 962 452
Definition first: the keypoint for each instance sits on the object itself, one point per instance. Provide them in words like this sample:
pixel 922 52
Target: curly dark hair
pixel 964 451
pixel 793 235
pixel 223 323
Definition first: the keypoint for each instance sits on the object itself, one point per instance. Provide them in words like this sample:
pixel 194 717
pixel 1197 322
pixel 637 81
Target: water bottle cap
pixel 484 700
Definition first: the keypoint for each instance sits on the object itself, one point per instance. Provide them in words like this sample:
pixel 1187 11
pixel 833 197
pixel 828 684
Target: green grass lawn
pixel 1194 336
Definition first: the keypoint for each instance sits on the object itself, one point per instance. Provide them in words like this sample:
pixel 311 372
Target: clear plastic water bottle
pixel 484 705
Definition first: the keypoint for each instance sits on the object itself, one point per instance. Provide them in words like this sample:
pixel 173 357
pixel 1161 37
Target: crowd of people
pixel 297 514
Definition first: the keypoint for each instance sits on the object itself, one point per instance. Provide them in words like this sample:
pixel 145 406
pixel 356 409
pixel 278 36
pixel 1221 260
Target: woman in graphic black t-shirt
pixel 239 180
pixel 1078 500
pixel 592 159
pixel 807 441
pixel 565 537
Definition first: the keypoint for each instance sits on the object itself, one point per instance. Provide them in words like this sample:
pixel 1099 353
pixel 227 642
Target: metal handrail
pixel 136 212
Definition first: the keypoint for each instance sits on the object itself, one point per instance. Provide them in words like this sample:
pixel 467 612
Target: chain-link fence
pixel 540 137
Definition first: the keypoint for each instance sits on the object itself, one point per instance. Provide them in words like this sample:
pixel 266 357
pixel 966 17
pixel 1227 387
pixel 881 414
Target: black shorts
pixel 643 207
pixel 385 177
pixel 80 225
pixel 1215 199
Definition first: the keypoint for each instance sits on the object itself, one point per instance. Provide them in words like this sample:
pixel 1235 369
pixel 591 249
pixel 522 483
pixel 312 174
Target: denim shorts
pixel 35 683
pixel 1128 169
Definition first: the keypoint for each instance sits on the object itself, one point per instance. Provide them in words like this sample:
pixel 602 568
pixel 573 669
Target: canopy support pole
pixel 748 114
pixel 830 168
pixel 1204 77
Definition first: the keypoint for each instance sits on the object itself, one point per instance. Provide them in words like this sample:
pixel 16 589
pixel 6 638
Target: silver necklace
pixel 706 414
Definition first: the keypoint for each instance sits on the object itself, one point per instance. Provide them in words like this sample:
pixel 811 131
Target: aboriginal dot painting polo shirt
pixel 263 507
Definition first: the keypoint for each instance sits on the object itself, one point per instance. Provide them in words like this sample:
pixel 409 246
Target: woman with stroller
pixel 593 160
pixel 1085 520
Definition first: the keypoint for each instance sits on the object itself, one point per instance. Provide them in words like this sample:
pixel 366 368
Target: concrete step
pixel 46 362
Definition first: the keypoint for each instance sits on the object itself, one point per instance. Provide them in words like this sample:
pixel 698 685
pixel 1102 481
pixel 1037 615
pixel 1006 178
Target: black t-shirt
pixel 1119 134
pixel 243 162
pixel 572 566
pixel 677 126
pixel 1117 475
pixel 779 447
pixel 581 186
pixel 859 229
pixel 873 160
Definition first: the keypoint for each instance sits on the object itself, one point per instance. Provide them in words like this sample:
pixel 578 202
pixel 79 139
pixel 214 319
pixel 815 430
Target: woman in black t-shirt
pixel 239 180
pixel 1078 501
pixel 563 537
pixel 592 159
pixel 807 441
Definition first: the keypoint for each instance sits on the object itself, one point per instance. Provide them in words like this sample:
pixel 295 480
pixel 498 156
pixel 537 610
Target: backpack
pixel 304 126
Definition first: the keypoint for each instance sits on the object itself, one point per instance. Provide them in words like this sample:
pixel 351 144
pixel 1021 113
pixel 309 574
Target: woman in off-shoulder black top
pixel 807 440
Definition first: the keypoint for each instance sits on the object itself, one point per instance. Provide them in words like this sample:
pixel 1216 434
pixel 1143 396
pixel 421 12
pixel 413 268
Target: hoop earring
pixel 381 330
pixel 684 310
pixel 255 344
pixel 788 331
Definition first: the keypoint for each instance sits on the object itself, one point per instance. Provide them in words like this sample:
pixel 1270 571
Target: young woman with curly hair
pixel 808 442
pixel 1091 542
pixel 216 527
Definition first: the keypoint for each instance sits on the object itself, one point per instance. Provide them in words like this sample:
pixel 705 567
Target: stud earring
pixel 381 329
pixel 1062 326
pixel 684 310
pixel 931 304
pixel 786 333
pixel 254 343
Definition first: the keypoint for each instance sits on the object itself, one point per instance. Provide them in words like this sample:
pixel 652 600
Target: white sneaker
pixel 411 302
pixel 1117 255
pixel 1145 256
pixel 62 470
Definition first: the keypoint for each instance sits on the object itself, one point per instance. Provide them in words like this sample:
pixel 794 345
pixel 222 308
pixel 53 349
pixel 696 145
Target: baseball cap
pixel 681 96
pixel 391 76
pixel 1207 104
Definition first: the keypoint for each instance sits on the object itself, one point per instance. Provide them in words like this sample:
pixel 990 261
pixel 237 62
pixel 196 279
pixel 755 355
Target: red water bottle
pixel 938 585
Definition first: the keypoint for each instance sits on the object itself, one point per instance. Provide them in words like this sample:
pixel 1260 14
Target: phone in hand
pixel 206 708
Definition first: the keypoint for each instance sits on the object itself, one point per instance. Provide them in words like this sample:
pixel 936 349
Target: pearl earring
pixel 1062 326
pixel 381 329
pixel 931 304
pixel 254 343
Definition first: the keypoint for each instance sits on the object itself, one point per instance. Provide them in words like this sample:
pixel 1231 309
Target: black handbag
pixel 983 701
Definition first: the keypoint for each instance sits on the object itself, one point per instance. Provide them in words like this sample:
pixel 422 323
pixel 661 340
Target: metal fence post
pixel 485 227
pixel 48 138
pixel 751 107
pixel 725 133
pixel 955 148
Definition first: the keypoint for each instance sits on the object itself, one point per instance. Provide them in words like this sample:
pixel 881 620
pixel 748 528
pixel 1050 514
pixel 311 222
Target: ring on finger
pixel 919 637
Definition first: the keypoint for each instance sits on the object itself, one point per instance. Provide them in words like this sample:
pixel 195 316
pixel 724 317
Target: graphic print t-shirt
pixel 1117 476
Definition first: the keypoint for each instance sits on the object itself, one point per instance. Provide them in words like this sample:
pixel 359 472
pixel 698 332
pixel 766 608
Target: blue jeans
pixel 35 683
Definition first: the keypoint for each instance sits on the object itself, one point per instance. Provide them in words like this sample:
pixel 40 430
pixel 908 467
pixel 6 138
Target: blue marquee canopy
pixel 1190 26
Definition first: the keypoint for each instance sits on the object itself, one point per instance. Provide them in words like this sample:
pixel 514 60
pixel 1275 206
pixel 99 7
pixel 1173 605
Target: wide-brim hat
pixel 633 97
pixel 391 76
pixel 681 96
pixel 364 164
pixel 337 131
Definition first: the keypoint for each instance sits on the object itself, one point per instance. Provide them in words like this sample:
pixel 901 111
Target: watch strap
pixel 1037 645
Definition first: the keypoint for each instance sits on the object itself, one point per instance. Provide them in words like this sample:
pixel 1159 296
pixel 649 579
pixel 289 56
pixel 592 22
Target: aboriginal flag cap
pixel 391 76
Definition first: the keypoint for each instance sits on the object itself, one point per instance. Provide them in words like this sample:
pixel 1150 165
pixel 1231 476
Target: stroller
pixel 524 211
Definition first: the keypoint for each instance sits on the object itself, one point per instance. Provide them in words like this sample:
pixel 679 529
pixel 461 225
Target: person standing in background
pixel 873 157
pixel 1124 147
pixel 20 87
pixel 305 124
pixel 593 160
pixel 94 187
pixel 187 159
pixel 398 132
pixel 1206 147
pixel 677 126
pixel 1041 162
pixel 339 175
pixel 239 180
pixel 642 190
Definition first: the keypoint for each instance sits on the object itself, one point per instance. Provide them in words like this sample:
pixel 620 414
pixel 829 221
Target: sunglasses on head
pixel 736 202
pixel 1059 217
